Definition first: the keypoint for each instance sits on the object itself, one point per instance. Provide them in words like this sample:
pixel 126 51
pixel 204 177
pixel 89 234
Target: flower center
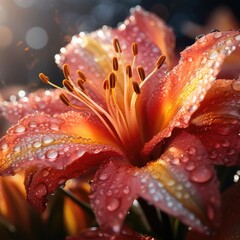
pixel 121 92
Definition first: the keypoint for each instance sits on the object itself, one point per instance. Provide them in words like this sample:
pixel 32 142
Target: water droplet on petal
pixel 199 36
pixel 184 159
pixel 226 143
pixel 175 161
pixel 113 205
pixel 37 144
pixel 231 152
pixel 236 85
pixel 32 124
pixel 54 127
pixel 17 148
pixel 45 173
pixel 4 146
pixel 103 176
pixel 126 190
pixel 217 35
pixel 210 212
pixel 51 154
pixel 47 139
pixel 213 55
pixel 192 150
pixel 201 174
pixel 40 190
pixel 189 166
pixel 19 129
pixel 237 37
pixel 80 153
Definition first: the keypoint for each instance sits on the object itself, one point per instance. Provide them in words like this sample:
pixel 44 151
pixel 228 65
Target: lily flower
pixel 131 118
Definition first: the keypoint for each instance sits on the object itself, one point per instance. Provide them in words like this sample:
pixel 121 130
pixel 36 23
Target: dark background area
pixel 33 31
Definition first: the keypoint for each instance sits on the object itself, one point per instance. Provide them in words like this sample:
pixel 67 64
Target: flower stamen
pixel 120 116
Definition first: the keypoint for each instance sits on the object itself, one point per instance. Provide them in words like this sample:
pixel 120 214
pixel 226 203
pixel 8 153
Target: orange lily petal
pixel 186 85
pixel 98 234
pixel 55 141
pixel 41 101
pixel 229 228
pixel 92 53
pixel 217 123
pixel 158 32
pixel 181 182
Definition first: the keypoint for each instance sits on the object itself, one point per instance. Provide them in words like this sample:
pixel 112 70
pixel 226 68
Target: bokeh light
pixel 25 3
pixel 6 36
pixel 36 38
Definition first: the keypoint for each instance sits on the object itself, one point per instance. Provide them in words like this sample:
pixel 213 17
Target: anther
pixel 136 87
pixel 112 80
pixel 82 81
pixel 115 64
pixel 66 70
pixel 160 61
pixel 117 46
pixel 80 84
pixel 141 73
pixel 129 71
pixel 43 77
pixel 105 84
pixel 134 49
pixel 68 85
pixel 64 99
pixel 81 75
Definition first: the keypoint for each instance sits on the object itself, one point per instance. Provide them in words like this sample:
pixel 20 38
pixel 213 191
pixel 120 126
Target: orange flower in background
pixel 143 128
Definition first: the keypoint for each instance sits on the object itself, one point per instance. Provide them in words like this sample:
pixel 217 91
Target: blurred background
pixel 33 31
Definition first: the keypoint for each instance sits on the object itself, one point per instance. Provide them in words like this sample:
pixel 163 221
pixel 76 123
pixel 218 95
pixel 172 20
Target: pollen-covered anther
pixel 64 99
pixel 112 80
pixel 81 75
pixel 106 84
pixel 80 84
pixel 117 46
pixel 134 49
pixel 44 78
pixel 136 87
pixel 68 85
pixel 66 70
pixel 160 61
pixel 141 73
pixel 115 64
pixel 129 71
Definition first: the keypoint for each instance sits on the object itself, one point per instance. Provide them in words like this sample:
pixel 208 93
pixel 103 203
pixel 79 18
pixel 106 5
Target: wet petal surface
pixel 217 122
pixel 41 101
pixel 96 234
pixel 57 141
pixel 229 228
pixel 181 182
pixel 186 85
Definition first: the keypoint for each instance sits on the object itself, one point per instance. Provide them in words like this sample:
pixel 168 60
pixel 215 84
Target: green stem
pixel 82 204
pixel 167 227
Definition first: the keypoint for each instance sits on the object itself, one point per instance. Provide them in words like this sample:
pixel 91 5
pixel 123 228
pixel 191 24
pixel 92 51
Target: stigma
pixel 122 87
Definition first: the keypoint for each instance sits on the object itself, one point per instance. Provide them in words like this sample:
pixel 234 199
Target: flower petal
pixel 229 228
pixel 217 123
pixel 186 85
pixel 98 234
pixel 57 141
pixel 185 172
pixel 158 32
pixel 41 101
pixel 92 53
pixel 181 182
